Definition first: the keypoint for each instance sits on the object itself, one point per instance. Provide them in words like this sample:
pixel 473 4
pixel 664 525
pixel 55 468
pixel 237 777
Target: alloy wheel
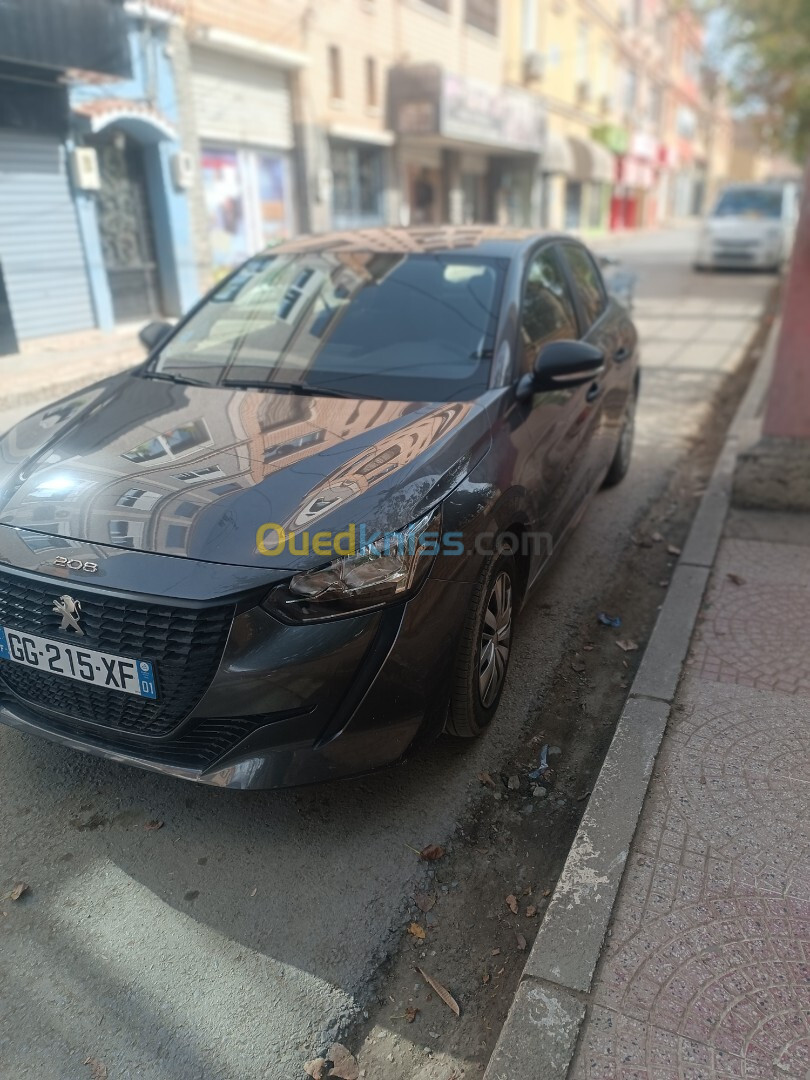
pixel 496 638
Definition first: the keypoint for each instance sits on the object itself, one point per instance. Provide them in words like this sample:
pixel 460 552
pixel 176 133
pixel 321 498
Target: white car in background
pixel 751 225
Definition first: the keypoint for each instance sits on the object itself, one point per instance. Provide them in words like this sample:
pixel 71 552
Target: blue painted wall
pixel 152 82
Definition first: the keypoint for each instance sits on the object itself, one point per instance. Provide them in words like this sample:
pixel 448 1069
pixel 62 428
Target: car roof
pixel 485 240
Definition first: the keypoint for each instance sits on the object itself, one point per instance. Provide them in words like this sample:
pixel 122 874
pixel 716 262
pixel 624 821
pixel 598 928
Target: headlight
pixel 390 569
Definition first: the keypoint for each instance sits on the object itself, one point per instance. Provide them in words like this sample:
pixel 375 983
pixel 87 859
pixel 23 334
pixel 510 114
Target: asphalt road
pixel 229 941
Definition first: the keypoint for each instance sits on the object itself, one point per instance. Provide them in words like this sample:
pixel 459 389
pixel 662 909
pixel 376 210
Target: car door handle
pixel 594 390
pixel 622 353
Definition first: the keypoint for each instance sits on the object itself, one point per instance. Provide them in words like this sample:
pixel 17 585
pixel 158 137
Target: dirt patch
pixel 474 921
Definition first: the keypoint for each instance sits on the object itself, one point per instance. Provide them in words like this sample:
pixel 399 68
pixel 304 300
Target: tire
pixel 624 451
pixel 491 612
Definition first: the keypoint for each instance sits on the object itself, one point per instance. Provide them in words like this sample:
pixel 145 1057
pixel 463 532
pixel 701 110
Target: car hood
pixel 743 228
pixel 195 471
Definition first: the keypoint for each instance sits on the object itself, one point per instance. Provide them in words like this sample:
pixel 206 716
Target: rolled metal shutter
pixel 40 247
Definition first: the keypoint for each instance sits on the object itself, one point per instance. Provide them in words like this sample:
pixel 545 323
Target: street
pixel 238 936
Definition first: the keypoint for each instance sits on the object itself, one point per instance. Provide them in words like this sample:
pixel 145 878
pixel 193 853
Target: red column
pixel 788 410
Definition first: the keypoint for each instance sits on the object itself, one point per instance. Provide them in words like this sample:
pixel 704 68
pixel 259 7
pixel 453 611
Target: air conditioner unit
pixel 182 166
pixel 534 66
pixel 583 91
pixel 84 169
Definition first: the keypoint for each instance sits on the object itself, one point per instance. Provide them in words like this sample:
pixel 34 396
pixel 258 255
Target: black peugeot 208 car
pixel 295 539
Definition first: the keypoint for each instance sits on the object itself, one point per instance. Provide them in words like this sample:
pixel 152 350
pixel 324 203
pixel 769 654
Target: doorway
pixel 125 228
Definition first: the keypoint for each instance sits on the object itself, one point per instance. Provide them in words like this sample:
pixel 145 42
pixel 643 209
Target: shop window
pixel 357 173
pixel 482 14
pixel 596 205
pixel 335 74
pixel 573 204
pixel 372 100
pixel 248 200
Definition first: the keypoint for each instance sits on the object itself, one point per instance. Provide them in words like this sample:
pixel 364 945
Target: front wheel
pixel 486 644
pixel 624 451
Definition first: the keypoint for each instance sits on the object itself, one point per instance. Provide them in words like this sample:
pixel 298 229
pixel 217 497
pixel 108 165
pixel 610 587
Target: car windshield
pixel 750 202
pixel 396 326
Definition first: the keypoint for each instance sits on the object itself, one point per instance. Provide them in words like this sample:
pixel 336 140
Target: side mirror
pixel 154 333
pixel 562 364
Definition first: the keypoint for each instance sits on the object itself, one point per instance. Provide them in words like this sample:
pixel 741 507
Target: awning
pixel 349 133
pixel 591 161
pixel 143 121
pixel 557 156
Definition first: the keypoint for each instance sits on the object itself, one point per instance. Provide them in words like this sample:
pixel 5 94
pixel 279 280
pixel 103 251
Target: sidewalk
pixel 55 366
pixel 706 970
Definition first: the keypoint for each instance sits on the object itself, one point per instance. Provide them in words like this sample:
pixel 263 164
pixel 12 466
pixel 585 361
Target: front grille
pixel 184 644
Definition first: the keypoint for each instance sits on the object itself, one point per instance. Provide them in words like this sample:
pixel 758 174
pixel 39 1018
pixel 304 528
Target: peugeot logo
pixel 70 610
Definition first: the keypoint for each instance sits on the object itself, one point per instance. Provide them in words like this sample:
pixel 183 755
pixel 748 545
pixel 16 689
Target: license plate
pixel 120 673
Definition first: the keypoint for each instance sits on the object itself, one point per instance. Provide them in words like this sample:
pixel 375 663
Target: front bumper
pixel 759 255
pixel 294 705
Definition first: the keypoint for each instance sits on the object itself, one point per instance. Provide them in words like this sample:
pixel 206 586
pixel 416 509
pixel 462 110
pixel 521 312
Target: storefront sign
pixel 429 101
pixel 478 112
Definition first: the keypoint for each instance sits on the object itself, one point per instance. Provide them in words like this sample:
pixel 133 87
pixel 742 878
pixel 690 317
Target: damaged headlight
pixel 389 569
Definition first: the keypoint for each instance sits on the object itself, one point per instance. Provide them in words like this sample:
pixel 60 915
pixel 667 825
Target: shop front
pixel 360 167
pixel 244 119
pixel 44 274
pixel 467 151
pixel 588 184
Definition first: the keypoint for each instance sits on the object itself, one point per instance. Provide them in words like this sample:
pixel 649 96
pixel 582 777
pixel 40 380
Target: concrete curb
pixel 540 1035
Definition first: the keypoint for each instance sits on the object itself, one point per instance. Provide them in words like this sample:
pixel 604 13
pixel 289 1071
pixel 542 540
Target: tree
pixel 769 56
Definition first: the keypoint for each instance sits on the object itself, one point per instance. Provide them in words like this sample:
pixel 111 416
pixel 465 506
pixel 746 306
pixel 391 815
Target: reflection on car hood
pixel 194 471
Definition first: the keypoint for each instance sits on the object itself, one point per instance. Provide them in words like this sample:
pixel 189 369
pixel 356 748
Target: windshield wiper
pixel 183 380
pixel 296 388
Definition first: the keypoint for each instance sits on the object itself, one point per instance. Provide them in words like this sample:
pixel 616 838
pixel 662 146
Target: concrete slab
pixel 660 668
pixel 569 942
pixel 540 1034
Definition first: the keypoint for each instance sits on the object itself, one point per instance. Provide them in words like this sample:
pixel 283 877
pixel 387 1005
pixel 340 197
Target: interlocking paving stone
pixel 706 972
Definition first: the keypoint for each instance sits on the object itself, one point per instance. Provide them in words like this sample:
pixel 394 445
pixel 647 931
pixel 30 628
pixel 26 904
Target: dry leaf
pixel 254 890
pixel 577 665
pixel 531 911
pixel 486 779
pixel 496 952
pixel 316 1068
pixel 511 903
pixel 19 890
pixel 627 646
pixel 432 852
pixel 344 1063
pixel 735 579
pixel 442 991
pixel 485 977
pixel 153 826
pixel 521 942
pixel 417 931
pixel 588 647
pixel 423 901
pixel 657 537
pixel 546 892
pixel 410 1013
pixel 673 550
pixel 98 1070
